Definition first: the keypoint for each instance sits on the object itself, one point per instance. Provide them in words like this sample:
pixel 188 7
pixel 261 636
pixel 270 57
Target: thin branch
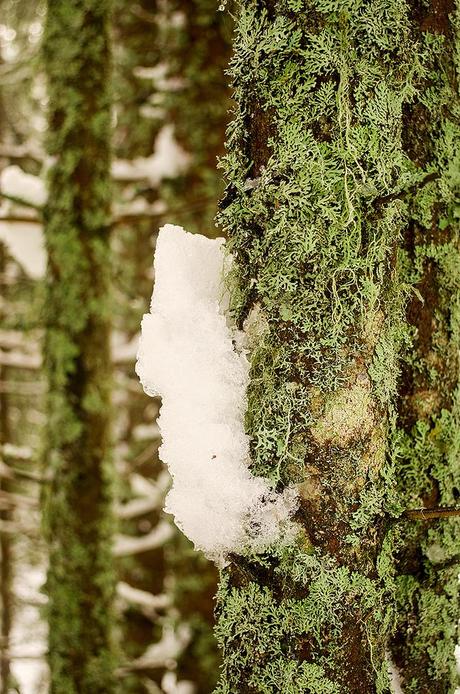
pixel 401 194
pixel 432 513
pixel 26 151
pixel 21 201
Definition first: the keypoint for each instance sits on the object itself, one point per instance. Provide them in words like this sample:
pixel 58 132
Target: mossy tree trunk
pixel 77 504
pixel 320 184
pixel 428 438
pixel 6 541
pixel 6 553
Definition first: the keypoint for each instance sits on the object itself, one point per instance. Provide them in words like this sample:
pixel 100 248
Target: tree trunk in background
pixel 315 209
pixel 135 45
pixel 190 42
pixel 428 440
pixel 77 505
pixel 6 559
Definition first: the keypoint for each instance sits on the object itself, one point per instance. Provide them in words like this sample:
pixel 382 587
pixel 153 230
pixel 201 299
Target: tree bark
pixel 77 504
pixel 6 541
pixel 315 209
pixel 427 443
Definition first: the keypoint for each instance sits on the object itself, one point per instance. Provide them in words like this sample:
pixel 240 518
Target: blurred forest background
pixel 171 106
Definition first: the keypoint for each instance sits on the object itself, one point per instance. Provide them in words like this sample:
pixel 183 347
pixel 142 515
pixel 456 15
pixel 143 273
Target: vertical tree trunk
pixel 315 209
pixel 77 507
pixel 428 442
pixel 6 558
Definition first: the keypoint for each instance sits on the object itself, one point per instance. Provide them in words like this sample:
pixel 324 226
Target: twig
pixel 432 513
pixel 21 201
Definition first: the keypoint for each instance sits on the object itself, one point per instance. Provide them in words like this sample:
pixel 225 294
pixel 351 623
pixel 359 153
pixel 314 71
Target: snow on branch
pixel 126 545
pixel 148 603
pixel 187 356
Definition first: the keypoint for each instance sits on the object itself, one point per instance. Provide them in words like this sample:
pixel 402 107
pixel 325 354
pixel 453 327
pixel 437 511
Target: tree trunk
pixel 315 209
pixel 6 541
pixel 77 505
pixel 428 440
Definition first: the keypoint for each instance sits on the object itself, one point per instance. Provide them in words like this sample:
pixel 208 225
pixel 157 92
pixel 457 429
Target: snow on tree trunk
pixel 77 503
pixel 188 356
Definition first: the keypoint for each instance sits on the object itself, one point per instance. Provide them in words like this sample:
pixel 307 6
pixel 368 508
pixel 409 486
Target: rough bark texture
pixel 427 441
pixel 318 193
pixel 6 549
pixel 77 504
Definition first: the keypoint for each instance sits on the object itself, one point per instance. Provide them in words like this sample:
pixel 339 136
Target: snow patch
pixel 167 161
pixel 395 677
pixel 26 244
pixel 18 184
pixel 187 356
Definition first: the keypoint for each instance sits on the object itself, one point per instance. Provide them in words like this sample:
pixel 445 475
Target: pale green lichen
pixel 314 209
pixel 427 443
pixel 347 414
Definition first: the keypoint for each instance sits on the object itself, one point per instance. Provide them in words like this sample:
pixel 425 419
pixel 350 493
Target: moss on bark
pixel 318 198
pixel 77 503
pixel 427 442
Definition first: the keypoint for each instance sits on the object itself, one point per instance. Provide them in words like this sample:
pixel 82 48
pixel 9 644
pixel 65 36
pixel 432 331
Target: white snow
pixel 395 678
pixel 29 632
pixel 126 545
pixel 25 243
pixel 149 603
pixel 187 356
pixel 165 652
pixel 170 685
pixel 15 182
pixel 167 161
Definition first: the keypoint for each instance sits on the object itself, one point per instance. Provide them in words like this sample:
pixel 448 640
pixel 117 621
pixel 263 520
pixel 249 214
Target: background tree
pixel 20 385
pixel 77 506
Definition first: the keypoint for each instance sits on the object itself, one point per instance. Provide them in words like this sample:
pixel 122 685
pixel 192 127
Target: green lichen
pixel 77 502
pixel 347 413
pixel 315 208
pixel 427 444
